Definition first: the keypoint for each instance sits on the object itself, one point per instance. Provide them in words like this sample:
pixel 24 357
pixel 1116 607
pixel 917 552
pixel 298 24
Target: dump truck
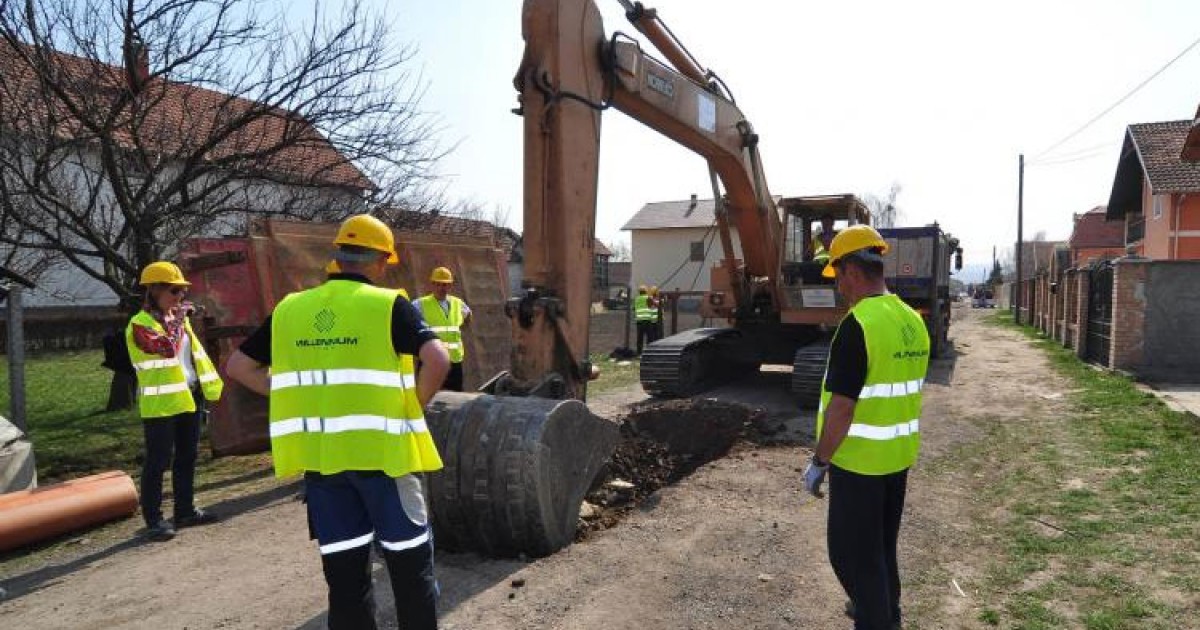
pixel 917 268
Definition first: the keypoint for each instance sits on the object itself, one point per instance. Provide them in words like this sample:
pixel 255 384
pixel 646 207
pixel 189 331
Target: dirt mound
pixel 661 443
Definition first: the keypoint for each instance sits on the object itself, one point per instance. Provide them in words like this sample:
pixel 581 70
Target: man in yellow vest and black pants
pixel 868 427
pixel 645 314
pixel 175 379
pixel 446 315
pixel 347 411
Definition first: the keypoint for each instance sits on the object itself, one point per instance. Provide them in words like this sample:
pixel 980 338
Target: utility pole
pixel 10 291
pixel 16 359
pixel 1020 235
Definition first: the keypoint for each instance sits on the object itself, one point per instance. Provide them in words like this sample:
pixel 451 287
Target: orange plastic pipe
pixel 32 515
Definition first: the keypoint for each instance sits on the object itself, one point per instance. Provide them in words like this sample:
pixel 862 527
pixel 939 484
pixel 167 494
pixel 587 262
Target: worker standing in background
pixel 645 314
pixel 657 303
pixel 868 427
pixel 446 315
pixel 175 378
pixel 346 410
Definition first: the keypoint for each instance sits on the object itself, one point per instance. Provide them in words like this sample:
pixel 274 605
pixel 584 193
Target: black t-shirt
pixel 847 360
pixel 409 331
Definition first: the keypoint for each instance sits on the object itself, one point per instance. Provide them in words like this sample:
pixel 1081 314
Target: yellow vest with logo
pixel 447 326
pixel 885 436
pixel 162 384
pixel 341 399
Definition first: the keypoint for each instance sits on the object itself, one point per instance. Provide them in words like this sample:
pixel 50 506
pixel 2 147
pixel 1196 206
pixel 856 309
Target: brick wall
pixel 1067 303
pixel 1129 314
pixel 1083 285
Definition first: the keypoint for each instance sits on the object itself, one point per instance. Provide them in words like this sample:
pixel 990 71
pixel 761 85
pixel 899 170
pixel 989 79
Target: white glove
pixel 814 476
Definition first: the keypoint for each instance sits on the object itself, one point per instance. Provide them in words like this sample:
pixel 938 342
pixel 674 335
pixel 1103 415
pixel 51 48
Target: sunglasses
pixel 178 290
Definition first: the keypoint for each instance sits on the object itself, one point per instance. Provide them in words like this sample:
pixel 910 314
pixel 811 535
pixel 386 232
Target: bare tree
pixel 127 126
pixel 884 212
pixel 620 250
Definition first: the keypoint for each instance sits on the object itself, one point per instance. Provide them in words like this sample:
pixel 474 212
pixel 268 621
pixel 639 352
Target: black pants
pixel 454 378
pixel 351 602
pixel 171 441
pixel 864 524
pixel 647 332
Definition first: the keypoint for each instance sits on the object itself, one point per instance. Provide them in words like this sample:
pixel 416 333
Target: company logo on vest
pixel 325 320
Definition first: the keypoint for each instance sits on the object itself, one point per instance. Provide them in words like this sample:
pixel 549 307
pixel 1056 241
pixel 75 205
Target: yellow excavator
pixel 519 458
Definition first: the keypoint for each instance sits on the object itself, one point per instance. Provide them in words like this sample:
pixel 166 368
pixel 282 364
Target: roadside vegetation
pixel 1097 514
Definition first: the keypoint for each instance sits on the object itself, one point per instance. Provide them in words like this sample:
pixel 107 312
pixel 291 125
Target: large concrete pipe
pixel 516 471
pixel 32 515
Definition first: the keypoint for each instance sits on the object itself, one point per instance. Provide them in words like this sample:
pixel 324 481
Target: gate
pixel 1099 316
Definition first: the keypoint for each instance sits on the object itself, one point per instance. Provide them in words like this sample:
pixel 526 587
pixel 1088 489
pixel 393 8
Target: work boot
pixel 198 517
pixel 160 532
pixel 850 613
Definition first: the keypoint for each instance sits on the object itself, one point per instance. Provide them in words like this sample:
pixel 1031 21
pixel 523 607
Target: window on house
pixel 697 251
pixel 1158 207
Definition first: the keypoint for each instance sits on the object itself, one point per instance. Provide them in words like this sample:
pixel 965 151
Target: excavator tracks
pixel 691 362
pixel 808 371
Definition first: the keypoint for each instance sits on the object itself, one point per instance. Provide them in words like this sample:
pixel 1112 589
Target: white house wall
pixel 66 284
pixel 657 253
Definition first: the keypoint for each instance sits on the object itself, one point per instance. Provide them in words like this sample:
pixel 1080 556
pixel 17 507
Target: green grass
pixel 614 374
pixel 1122 550
pixel 65 395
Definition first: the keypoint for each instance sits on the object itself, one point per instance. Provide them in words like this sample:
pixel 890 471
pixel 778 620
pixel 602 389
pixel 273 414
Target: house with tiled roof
pixel 276 160
pixel 1156 190
pixel 1094 237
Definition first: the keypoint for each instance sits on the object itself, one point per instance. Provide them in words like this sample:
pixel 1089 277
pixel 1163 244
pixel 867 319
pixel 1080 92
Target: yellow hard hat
pixel 852 239
pixel 641 288
pixel 367 231
pixel 162 272
pixel 442 275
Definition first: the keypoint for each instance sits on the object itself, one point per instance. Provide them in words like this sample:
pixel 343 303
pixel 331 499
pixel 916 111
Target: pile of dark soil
pixel 661 443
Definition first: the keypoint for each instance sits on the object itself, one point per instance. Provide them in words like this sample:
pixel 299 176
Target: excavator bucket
pixel 516 471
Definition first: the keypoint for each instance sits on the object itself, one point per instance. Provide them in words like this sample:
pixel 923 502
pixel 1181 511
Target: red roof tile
pixel 1159 146
pixel 177 119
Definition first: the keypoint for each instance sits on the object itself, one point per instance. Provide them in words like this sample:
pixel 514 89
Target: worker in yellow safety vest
pixel 868 427
pixel 447 315
pixel 175 381
pixel 823 240
pixel 346 411
pixel 645 315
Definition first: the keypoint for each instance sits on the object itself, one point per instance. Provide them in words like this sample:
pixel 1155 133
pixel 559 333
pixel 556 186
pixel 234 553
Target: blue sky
pixel 851 96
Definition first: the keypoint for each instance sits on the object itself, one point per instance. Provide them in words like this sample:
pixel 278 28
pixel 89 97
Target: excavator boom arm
pixel 569 73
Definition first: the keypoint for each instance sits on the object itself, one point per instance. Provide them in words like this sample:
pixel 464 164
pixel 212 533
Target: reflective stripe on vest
pixel 447 326
pixel 379 378
pixel 396 426
pixel 884 436
pixel 820 253
pixel 643 311
pixel 341 399
pixel 162 384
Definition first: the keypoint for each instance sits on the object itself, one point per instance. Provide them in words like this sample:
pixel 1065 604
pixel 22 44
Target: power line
pixel 1120 100
pixel 1071 154
pixel 1078 157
